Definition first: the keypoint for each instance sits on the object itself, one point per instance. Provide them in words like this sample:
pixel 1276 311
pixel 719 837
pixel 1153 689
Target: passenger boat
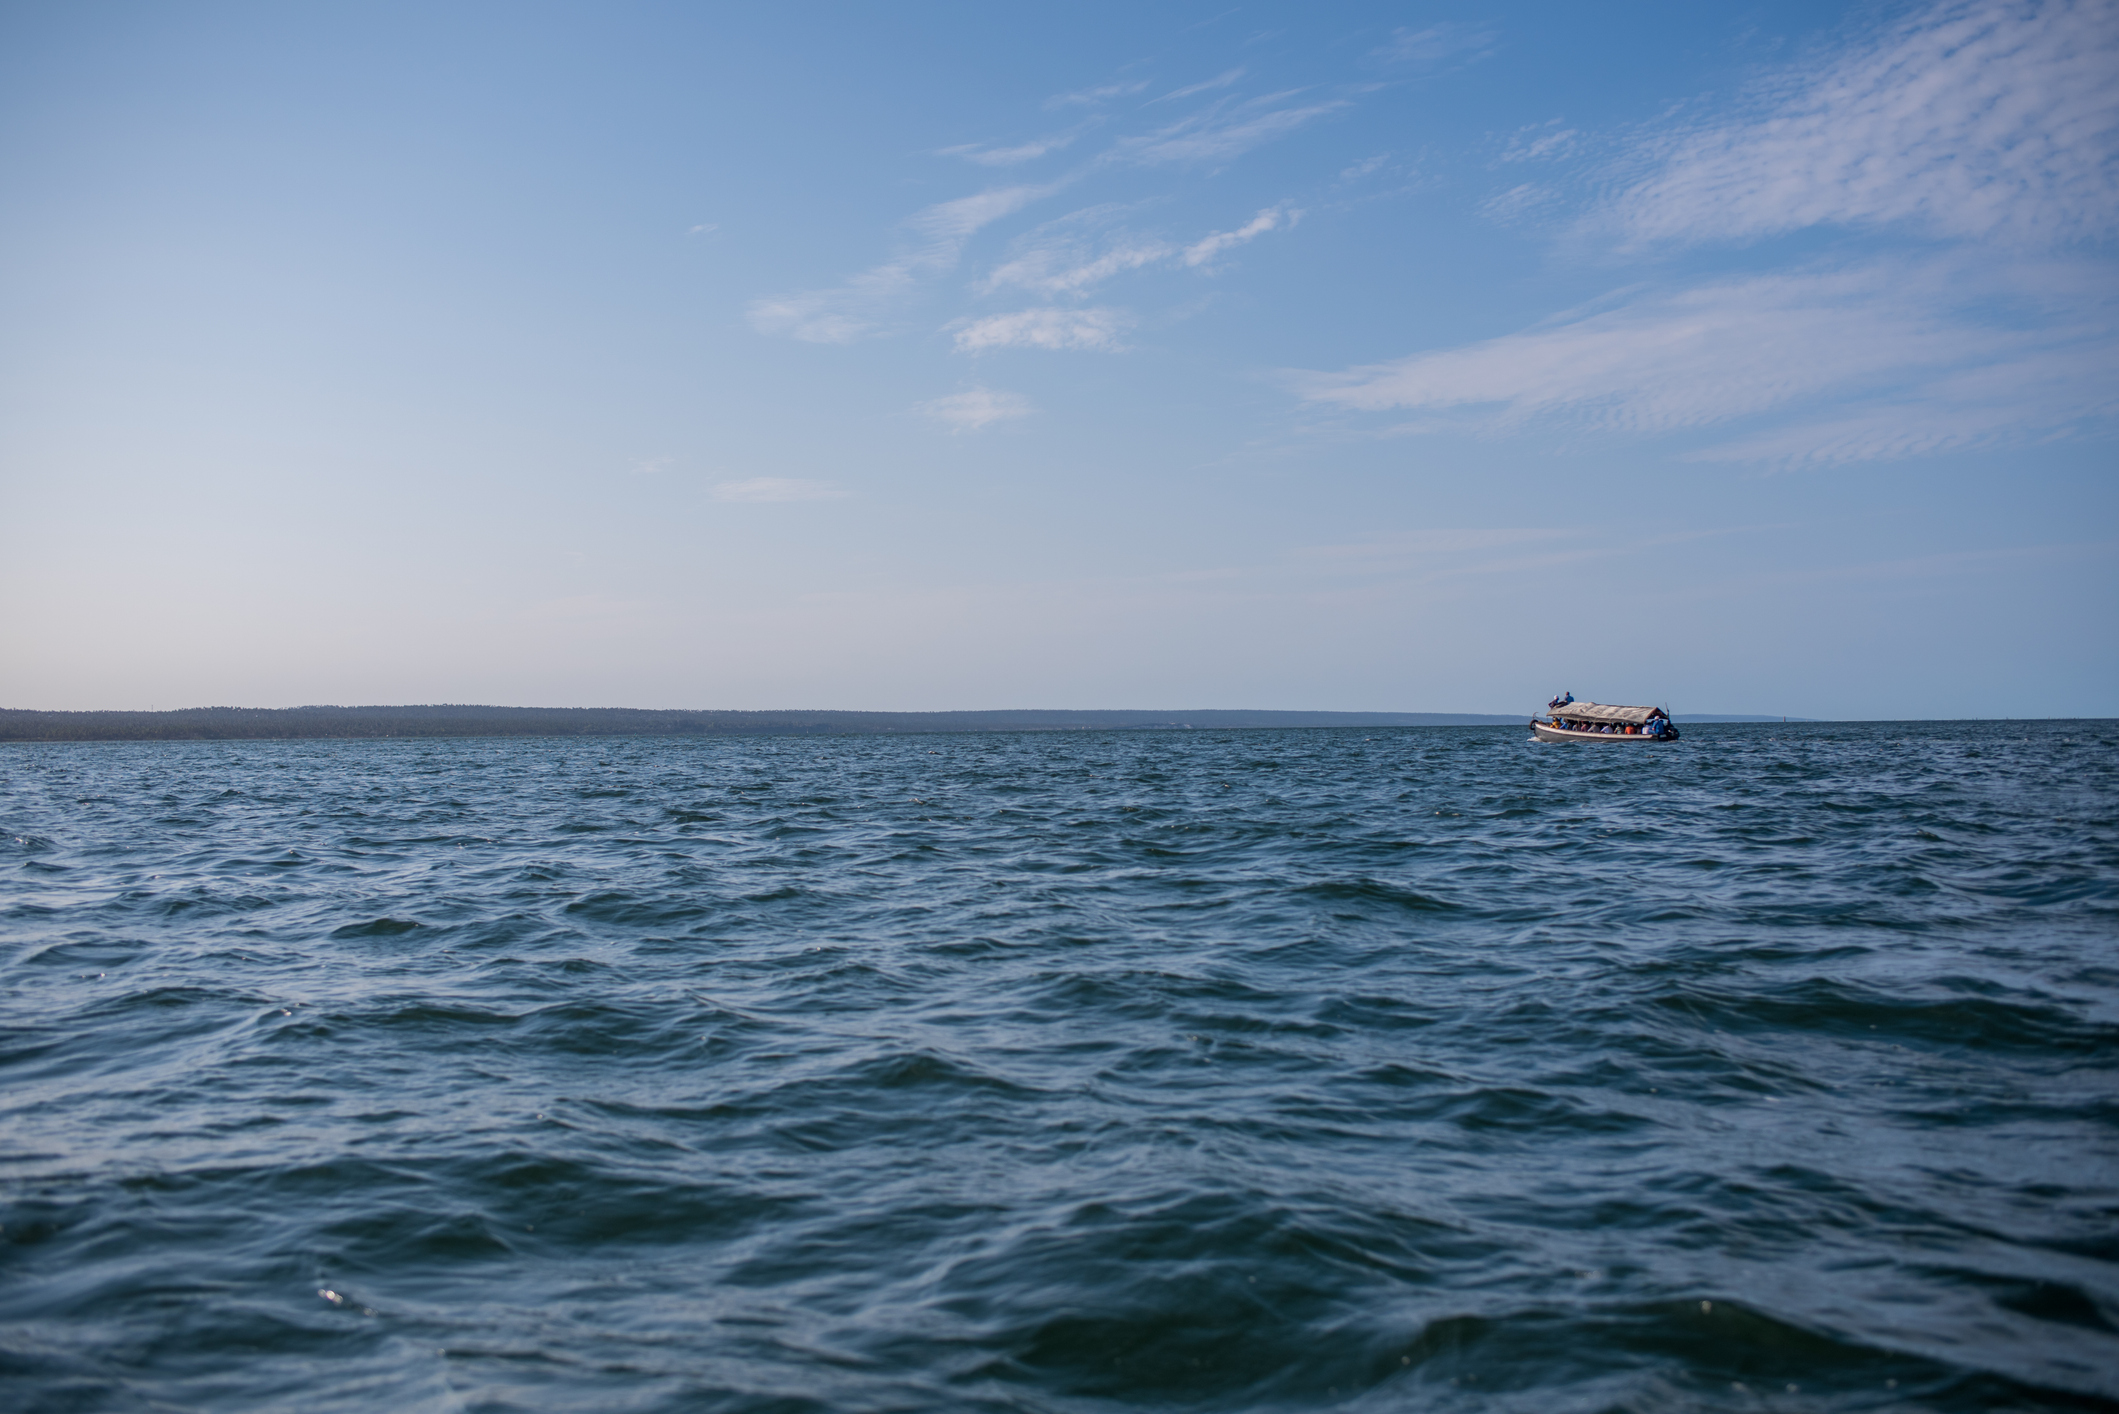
pixel 1594 721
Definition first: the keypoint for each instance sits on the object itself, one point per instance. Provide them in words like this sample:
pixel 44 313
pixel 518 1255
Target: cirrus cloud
pixel 1273 218
pixel 1066 257
pixel 1047 328
pixel 1091 97
pixel 988 156
pixel 1919 373
pixel 1222 131
pixel 1968 119
pixel 975 408
pixel 856 308
pixel 1965 135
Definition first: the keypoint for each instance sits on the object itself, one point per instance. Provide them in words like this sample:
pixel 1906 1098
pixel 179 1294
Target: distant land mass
pixel 1735 717
pixel 291 723
pixel 281 723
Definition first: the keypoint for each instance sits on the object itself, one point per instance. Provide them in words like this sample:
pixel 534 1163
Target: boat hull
pixel 1539 731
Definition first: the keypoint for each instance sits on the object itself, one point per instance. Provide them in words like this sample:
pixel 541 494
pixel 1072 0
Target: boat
pixel 1570 720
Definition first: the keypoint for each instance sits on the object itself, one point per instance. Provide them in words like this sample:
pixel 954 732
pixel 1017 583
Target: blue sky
pixel 1363 356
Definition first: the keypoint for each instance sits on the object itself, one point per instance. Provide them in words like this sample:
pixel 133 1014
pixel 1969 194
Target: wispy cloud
pixel 1805 343
pixel 1539 141
pixel 1517 202
pixel 1047 328
pixel 853 310
pixel 2037 393
pixel 1102 93
pixel 1433 46
pixel 976 408
pixel 1970 119
pixel 1070 256
pixel 948 224
pixel 1981 129
pixel 1223 131
pixel 1061 266
pixel 1060 260
pixel 990 156
pixel 1221 80
pixel 1273 218
pixel 839 315
pixel 762 489
pixel 1696 357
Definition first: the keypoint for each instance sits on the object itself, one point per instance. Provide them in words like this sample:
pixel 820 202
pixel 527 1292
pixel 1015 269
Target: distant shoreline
pixel 297 723
pixel 356 723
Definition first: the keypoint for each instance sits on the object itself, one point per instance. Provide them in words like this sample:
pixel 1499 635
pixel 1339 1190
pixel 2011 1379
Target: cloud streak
pixel 1047 328
pixel 854 309
pixel 1698 358
pixel 1222 131
pixel 1092 97
pixel 1540 142
pixel 1273 218
pixel 1059 261
pixel 1434 46
pixel 1221 80
pixel 975 408
pixel 1983 118
pixel 990 156
pixel 1984 130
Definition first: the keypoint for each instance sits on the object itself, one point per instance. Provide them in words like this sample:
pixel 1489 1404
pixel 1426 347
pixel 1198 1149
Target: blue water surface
pixel 1772 1069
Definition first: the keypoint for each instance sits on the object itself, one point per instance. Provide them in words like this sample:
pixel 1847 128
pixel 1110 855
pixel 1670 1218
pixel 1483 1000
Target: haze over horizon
pixel 1385 357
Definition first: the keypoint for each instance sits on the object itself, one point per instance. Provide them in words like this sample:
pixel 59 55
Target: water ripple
pixel 1222 1070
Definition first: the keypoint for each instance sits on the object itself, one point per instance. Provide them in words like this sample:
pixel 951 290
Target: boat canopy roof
pixel 1598 712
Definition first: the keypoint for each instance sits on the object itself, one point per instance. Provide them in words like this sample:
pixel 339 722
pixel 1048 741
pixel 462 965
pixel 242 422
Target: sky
pixel 1372 357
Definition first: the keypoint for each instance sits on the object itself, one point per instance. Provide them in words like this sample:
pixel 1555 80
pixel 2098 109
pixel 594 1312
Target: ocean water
pixel 1776 1069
